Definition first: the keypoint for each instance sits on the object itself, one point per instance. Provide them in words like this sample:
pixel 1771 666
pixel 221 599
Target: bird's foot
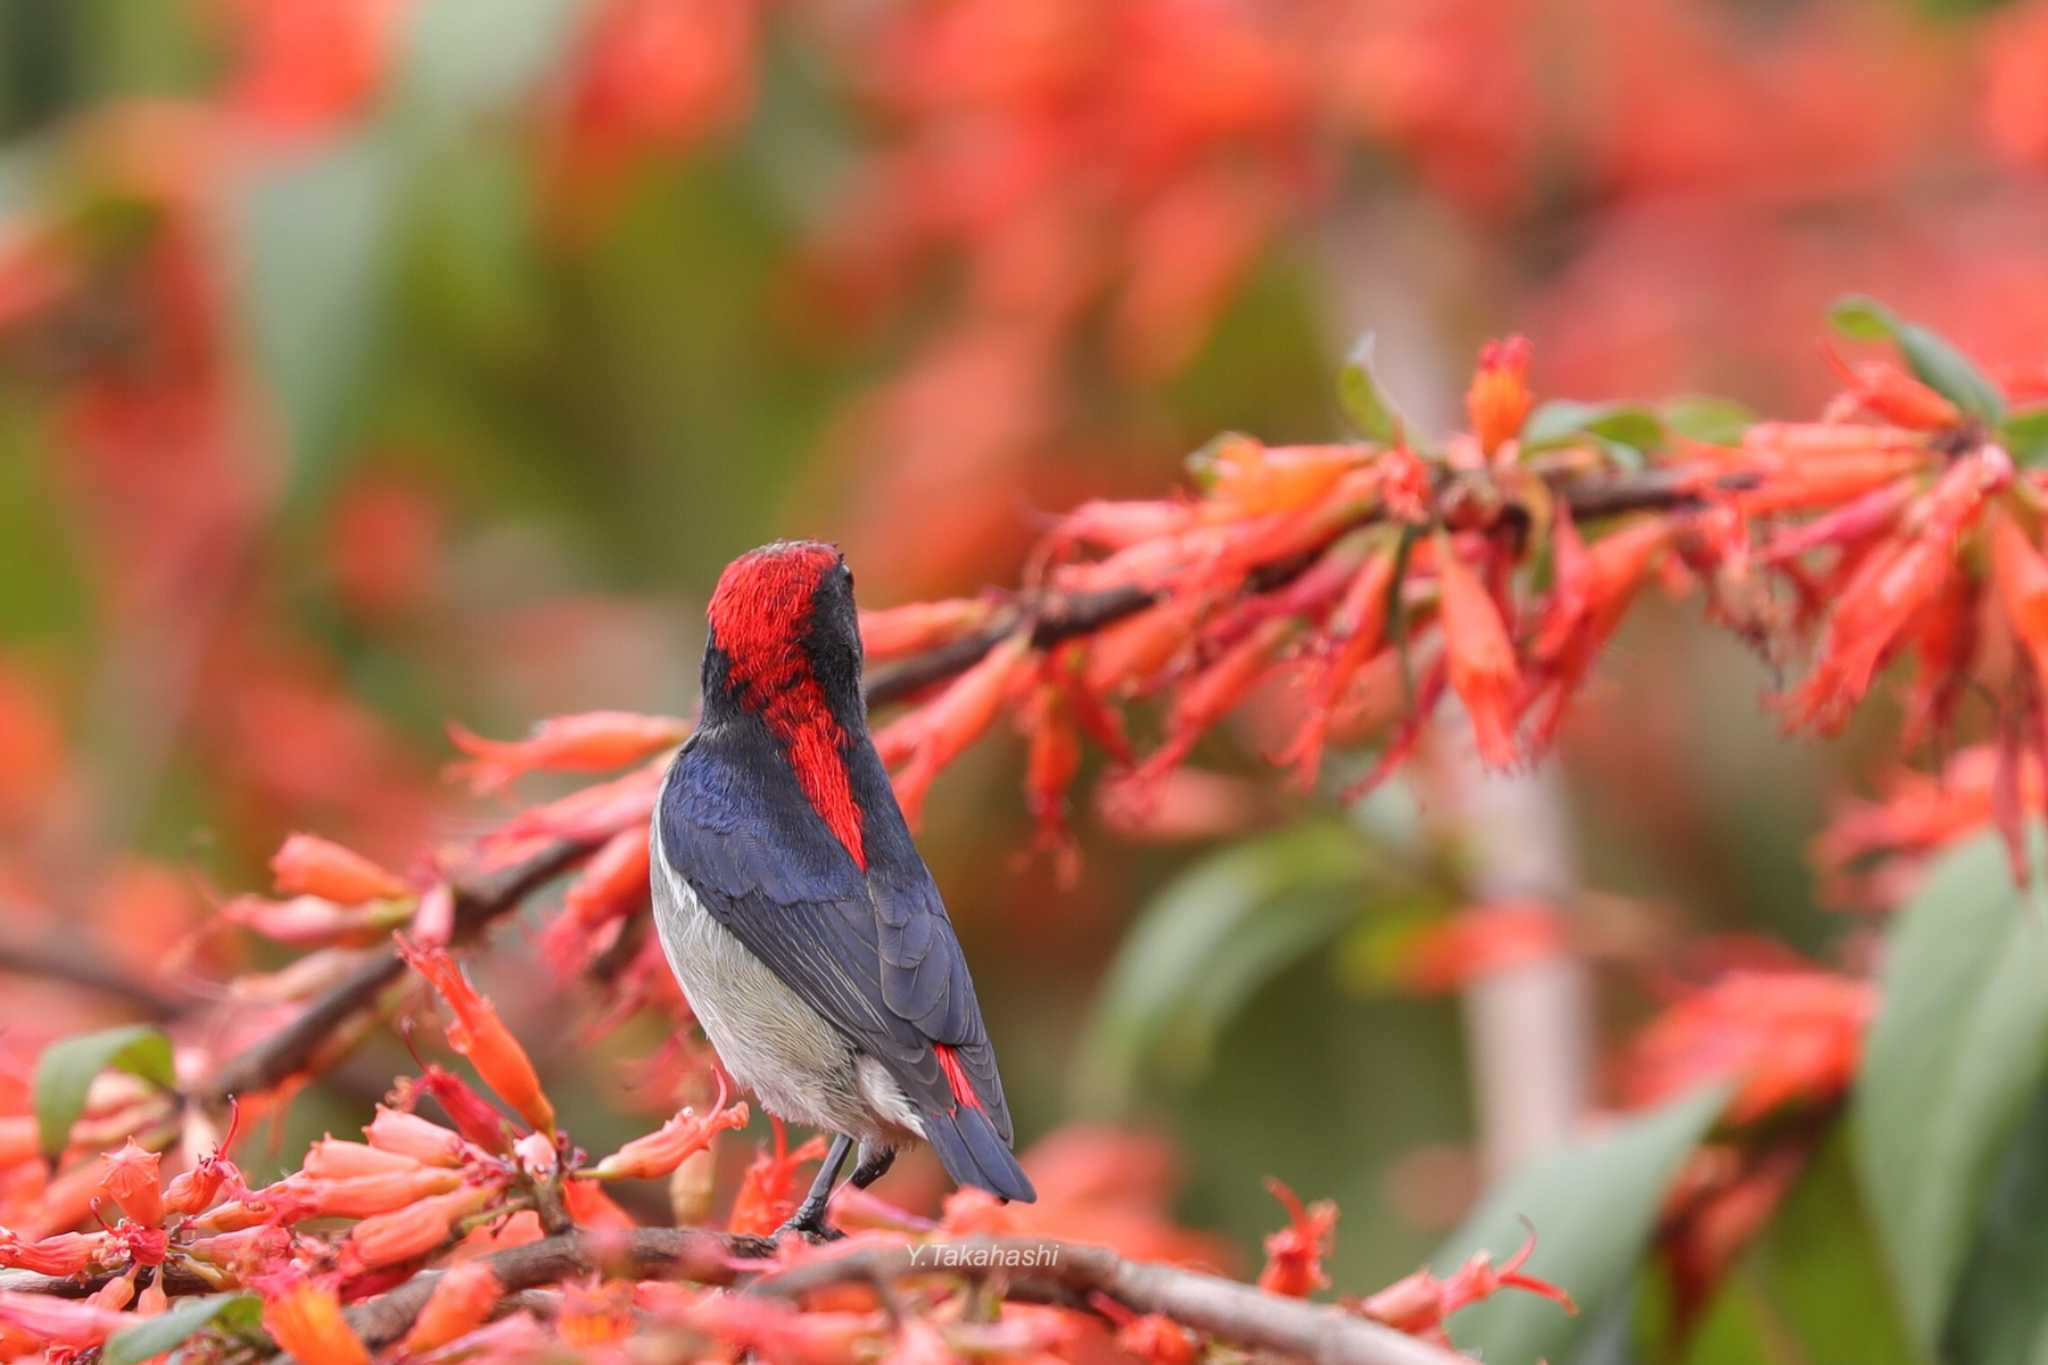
pixel 810 1222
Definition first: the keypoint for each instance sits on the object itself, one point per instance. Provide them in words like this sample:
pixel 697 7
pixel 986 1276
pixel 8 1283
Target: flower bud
pixel 333 1158
pixel 481 1036
pixel 659 1152
pixel 129 1178
pixel 590 742
pixel 307 865
pixel 462 1298
pixel 305 1321
pixel 402 1234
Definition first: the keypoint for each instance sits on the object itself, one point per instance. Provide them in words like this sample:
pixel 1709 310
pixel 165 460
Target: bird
pixel 794 908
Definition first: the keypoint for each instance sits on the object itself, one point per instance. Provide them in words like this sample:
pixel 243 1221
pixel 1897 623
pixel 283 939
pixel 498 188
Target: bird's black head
pixel 785 637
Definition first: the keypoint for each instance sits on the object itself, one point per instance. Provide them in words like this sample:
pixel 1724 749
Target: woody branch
pixel 1060 1272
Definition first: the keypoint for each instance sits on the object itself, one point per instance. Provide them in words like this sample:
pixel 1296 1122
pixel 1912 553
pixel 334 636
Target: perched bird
pixel 794 908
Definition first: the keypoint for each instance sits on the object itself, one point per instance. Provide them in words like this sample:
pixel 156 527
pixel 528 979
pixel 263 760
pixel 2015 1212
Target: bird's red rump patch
pixel 757 615
pixel 956 1076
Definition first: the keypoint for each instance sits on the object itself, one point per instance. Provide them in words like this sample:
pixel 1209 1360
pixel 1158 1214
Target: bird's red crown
pixel 761 613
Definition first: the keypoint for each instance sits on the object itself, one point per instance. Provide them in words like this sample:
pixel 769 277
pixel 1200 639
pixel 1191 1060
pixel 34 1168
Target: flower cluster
pixel 1367 581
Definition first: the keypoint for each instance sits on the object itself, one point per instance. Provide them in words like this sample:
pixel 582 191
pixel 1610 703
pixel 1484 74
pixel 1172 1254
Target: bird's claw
pixel 811 1226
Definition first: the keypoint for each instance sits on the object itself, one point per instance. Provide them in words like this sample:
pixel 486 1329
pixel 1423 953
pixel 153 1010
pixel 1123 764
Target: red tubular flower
pixel 363 1196
pixel 767 1194
pixel 116 1294
pixel 1480 941
pixel 395 1131
pixel 1892 587
pixel 589 1206
pixel 592 741
pixel 1131 653
pixel 1882 389
pixel 19 1139
pixel 305 1320
pixel 129 1177
pixel 462 1298
pixel 1294 1255
pixel 67 1253
pixel 334 1158
pixel 1784 1037
pixel 659 1152
pixel 310 920
pixel 1355 632
pixel 613 882
pixel 1248 479
pixel 476 1118
pixel 1052 764
pixel 482 1037
pixel 938 732
pixel 213 1179
pixel 1420 1303
pixel 413 1229
pixel 1482 659
pixel 1499 400
pixel 1595 587
pixel 54 1322
pixel 1119 525
pixel 2022 578
pixel 596 812
pixel 1210 695
pixel 308 865
pixel 919 626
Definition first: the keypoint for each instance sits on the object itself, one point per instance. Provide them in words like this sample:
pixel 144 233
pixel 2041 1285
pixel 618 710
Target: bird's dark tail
pixel 973 1153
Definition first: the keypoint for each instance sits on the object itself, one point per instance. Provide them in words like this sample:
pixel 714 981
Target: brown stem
pixel 683 1253
pixel 47 960
pixel 1030 1269
pixel 1036 1268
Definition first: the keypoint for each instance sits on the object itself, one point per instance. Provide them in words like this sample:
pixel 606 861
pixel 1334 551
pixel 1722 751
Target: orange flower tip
pixel 130 1178
pixel 1498 402
pixel 308 865
pixel 306 1322
pixel 592 741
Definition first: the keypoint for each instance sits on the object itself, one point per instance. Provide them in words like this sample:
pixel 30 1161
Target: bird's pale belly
pixel 800 1067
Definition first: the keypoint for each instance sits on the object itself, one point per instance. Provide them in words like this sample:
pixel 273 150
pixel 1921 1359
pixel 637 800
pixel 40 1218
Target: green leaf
pixel 318 241
pixel 1862 318
pixel 1934 358
pixel 1958 1051
pixel 1998 1317
pixel 1716 421
pixel 1815 1277
pixel 67 1069
pixel 177 1324
pixel 1366 406
pixel 1563 420
pixel 2025 435
pixel 1208 941
pixel 1593 1206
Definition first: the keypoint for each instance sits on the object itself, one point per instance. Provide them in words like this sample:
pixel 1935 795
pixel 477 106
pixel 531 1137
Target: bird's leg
pixel 809 1217
pixel 874 1164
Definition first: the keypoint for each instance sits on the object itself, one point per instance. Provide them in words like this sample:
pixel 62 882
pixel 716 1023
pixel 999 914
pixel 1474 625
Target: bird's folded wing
pixel 871 951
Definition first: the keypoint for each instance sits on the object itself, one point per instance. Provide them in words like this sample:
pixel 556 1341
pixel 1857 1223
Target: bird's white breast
pixel 800 1067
